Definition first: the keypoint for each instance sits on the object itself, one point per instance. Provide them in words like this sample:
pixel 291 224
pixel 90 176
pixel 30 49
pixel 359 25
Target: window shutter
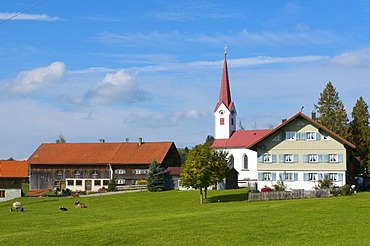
pixel 283 136
pixel 295 158
pixel 298 136
pixel 295 176
pixel 325 158
pixel 326 175
pixel 260 176
pixel 304 136
pixel 305 176
pixel 273 176
pixel 340 176
pixel 319 176
pixel 305 158
pixel 281 158
pixel 260 158
pixel 318 136
pixel 274 158
pixel 319 158
pixel 282 176
pixel 340 158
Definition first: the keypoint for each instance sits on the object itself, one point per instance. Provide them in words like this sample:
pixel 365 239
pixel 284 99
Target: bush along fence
pixel 284 195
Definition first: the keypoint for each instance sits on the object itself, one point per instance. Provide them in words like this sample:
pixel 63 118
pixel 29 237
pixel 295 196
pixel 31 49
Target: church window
pixel 231 161
pixel 245 162
pixel 222 121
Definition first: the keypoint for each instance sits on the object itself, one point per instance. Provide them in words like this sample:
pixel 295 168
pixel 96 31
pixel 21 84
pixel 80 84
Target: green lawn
pixel 177 218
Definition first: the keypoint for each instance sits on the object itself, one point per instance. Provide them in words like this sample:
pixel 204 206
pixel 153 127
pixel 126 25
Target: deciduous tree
pixel 60 139
pixel 332 113
pixel 203 167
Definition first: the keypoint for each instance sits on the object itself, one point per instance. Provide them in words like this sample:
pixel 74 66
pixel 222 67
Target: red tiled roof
pixel 173 171
pixel 240 139
pixel 13 169
pixel 225 94
pixel 100 153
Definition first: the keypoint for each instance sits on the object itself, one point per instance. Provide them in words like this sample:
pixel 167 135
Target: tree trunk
pixel 205 193
pixel 201 195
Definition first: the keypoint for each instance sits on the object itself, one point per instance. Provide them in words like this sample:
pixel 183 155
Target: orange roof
pixel 13 169
pixel 240 139
pixel 100 153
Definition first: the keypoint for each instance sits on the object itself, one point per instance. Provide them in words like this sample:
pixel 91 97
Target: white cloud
pixel 33 17
pixel 349 59
pixel 116 87
pixel 30 81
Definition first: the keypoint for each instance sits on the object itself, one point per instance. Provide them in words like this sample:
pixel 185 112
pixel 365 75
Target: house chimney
pixel 283 120
pixel 140 141
pixel 313 115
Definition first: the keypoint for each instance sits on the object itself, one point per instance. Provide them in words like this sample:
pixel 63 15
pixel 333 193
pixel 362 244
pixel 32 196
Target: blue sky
pixel 152 69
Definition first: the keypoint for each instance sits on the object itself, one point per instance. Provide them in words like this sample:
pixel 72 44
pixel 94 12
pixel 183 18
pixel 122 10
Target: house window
pixel 141 171
pixel 120 171
pixel 267 176
pixel 105 182
pixel 276 139
pixel 310 135
pixel 232 121
pixel 290 136
pixel 78 182
pixel 94 172
pixel 245 162
pixel 120 181
pixel 97 182
pixel 231 161
pixel 288 158
pixel 333 158
pixel 70 182
pixel 312 176
pixel 267 158
pixel 326 137
pixel 313 158
pixel 77 173
pixel 289 176
pixel 2 193
pixel 333 176
pixel 60 172
pixel 222 121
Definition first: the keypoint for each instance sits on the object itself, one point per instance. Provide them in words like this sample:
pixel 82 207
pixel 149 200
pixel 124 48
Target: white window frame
pixel 120 171
pixel 333 158
pixel 310 136
pixel 312 176
pixel 267 158
pixel 313 158
pixel 291 136
pixel 120 181
pixel 288 177
pixel 288 158
pixel 333 176
pixel 267 176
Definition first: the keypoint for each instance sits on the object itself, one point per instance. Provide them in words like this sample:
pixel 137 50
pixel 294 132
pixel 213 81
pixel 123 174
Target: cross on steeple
pixel 225 49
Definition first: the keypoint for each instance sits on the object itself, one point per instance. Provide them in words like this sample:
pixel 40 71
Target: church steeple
pixel 225 94
pixel 224 112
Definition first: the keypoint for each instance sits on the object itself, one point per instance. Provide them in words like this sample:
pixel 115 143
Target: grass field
pixel 177 218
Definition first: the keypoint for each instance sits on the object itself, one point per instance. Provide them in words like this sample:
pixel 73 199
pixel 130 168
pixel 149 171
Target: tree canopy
pixel 332 113
pixel 155 179
pixel 359 132
pixel 60 139
pixel 203 167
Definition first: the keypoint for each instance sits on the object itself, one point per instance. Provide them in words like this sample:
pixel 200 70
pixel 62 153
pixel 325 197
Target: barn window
pixel 2 193
pixel 97 182
pixel 70 182
pixel 78 182
pixel 105 182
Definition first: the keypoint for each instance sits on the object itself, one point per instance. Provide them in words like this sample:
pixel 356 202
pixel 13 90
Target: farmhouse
pixel 12 175
pixel 299 151
pixel 90 166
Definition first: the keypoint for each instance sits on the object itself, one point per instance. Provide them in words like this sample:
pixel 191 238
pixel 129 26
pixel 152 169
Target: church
pixel 299 152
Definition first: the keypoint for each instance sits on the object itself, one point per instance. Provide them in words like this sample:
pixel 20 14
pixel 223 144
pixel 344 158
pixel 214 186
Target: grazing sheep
pixel 79 204
pixel 63 209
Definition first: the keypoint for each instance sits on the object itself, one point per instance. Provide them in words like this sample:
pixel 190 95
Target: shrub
pixel 266 189
pixel 279 186
pixel 142 182
pixel 323 184
pixel 112 185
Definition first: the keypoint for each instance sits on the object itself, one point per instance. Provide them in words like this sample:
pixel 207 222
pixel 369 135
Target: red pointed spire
pixel 225 95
